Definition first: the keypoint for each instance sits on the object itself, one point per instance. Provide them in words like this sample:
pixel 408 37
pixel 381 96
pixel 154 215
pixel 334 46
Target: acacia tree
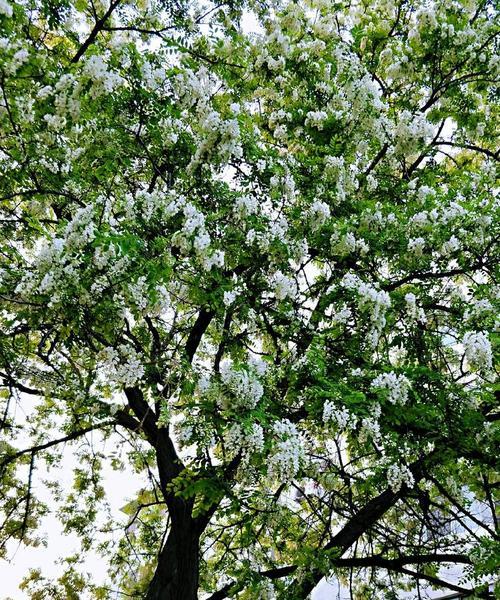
pixel 258 270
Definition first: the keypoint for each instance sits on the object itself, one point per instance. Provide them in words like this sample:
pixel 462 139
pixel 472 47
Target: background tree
pixel 262 268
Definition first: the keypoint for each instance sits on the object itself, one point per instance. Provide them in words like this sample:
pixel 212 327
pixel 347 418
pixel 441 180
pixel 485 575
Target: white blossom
pixel 370 429
pixel 416 246
pixel 316 119
pixel 229 297
pixel 415 313
pixel 104 80
pixel 319 213
pixel 237 439
pixel 339 416
pixel 397 386
pixel 478 308
pixel 450 246
pixel 5 8
pixel 283 286
pixel 215 259
pixel 245 205
pixel 123 365
pixel 478 350
pixel 399 475
pixel 243 383
pixel 288 452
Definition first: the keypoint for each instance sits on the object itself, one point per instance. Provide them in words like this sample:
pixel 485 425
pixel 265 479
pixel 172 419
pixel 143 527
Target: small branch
pixel 201 324
pixel 38 448
pixel 99 25
pixel 382 152
pixel 11 382
pixel 473 147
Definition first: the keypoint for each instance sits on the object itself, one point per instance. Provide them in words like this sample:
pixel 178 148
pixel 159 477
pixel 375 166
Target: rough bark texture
pixel 177 572
pixel 176 576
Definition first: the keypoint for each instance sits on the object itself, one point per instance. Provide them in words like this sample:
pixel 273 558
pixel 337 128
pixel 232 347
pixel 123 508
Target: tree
pixel 261 267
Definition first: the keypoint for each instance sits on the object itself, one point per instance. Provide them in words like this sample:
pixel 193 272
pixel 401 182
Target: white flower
pixel 416 246
pixel 104 80
pixel 201 242
pixel 243 384
pixel 138 291
pixel 397 475
pixel 47 284
pixel 251 237
pixel 340 417
pixel 371 183
pixel 319 213
pixel 55 122
pixel 478 308
pixel 5 8
pixel 452 245
pixel 420 219
pixel 229 297
pixel 194 219
pixel 216 259
pixel 414 312
pixel 283 286
pixel 316 119
pixel 370 429
pixel 342 316
pixel 288 452
pixel 238 440
pixel 43 92
pixel 410 131
pixel 245 205
pixel 257 364
pixel 123 365
pixel 397 386
pixel 478 350
pixel 162 302
pixel 276 64
pixel 103 257
pixel 377 302
pixel 203 383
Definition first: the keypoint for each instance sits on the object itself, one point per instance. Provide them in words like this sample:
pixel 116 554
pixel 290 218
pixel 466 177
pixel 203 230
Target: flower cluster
pixel 397 386
pixel 316 119
pixel 477 348
pixel 411 131
pixel 349 244
pixel 238 439
pixel 376 301
pixel 283 286
pixel 104 80
pixel 245 206
pixel 415 313
pixel 288 452
pixel 399 475
pixel 243 383
pixel 339 416
pixel 319 213
pixel 123 365
pixel 5 8
pixel 416 246
pixel 370 428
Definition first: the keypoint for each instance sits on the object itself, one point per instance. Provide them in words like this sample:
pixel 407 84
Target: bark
pixel 177 571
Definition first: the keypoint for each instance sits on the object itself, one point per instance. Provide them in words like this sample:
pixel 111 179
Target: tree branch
pixel 201 324
pixel 99 25
pixel 9 458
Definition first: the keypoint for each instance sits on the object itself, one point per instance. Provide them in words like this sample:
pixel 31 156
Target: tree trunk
pixel 176 575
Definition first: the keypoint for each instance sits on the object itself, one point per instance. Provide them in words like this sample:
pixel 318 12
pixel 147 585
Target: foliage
pixel 256 271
